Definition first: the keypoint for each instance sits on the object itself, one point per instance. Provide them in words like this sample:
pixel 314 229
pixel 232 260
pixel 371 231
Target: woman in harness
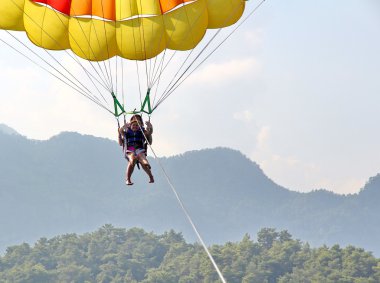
pixel 134 143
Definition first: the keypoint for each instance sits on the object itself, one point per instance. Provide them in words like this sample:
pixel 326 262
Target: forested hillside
pixel 117 255
pixel 75 183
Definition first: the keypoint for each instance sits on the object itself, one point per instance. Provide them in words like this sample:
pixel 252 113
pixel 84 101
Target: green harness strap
pixel 117 106
pixel 119 109
pixel 147 103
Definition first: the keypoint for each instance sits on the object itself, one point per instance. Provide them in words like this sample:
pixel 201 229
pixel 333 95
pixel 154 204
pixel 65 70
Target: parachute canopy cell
pixel 97 30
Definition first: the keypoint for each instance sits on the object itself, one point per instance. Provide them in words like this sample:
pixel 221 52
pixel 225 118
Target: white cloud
pixel 341 186
pixel 226 71
pixel 244 116
pixel 288 171
pixel 40 106
pixel 262 138
pixel 298 174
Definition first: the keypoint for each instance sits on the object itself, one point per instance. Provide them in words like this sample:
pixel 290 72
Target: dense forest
pixel 118 255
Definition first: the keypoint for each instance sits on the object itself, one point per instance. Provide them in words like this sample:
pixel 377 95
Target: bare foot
pixel 151 179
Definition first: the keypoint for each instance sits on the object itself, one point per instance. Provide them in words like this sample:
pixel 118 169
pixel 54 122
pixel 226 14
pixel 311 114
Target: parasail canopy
pixel 96 36
pixel 97 30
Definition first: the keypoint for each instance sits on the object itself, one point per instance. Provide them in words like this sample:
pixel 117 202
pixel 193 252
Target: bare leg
pixel 130 168
pixel 146 168
pixel 145 165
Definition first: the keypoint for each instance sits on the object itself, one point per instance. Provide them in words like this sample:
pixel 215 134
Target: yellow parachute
pixel 99 34
pixel 133 29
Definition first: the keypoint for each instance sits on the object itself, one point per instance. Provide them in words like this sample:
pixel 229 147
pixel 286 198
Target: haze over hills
pixel 75 183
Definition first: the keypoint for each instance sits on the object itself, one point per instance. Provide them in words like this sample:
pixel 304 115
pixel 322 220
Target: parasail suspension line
pixel 185 212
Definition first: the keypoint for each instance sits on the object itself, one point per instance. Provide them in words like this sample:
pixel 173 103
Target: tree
pixel 113 255
pixel 266 237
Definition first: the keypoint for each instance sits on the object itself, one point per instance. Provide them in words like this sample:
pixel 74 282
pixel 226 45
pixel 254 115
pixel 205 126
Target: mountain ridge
pixel 74 183
pixel 7 130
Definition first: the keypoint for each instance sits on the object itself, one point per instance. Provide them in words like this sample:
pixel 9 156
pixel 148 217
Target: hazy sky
pixel 296 89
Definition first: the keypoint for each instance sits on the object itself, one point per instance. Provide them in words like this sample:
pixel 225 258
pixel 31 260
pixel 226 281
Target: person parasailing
pixel 133 136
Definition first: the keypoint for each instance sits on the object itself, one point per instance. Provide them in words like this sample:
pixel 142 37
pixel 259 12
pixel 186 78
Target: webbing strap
pixel 117 106
pixel 146 106
pixel 146 103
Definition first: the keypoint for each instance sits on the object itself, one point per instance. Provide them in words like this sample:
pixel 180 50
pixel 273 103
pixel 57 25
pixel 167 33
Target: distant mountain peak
pixel 372 187
pixel 7 130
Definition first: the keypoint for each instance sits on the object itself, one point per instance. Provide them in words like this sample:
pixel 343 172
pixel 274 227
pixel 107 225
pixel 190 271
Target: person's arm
pixel 121 133
pixel 149 128
pixel 149 132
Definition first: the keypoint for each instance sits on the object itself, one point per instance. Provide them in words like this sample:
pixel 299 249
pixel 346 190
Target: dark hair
pixel 137 117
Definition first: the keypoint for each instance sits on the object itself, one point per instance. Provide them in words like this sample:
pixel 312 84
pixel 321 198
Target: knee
pixel 143 160
pixel 132 160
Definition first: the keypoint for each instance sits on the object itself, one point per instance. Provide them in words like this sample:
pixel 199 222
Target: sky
pixel 296 89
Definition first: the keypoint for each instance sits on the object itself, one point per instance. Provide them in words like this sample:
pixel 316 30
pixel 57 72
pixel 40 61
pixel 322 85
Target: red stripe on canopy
pixel 60 5
pixel 64 5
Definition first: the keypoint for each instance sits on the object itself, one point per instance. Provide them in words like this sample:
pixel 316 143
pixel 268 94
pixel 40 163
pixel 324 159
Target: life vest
pixel 135 139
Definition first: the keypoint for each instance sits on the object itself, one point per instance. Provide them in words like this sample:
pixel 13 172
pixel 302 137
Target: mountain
pixel 75 183
pixel 7 130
